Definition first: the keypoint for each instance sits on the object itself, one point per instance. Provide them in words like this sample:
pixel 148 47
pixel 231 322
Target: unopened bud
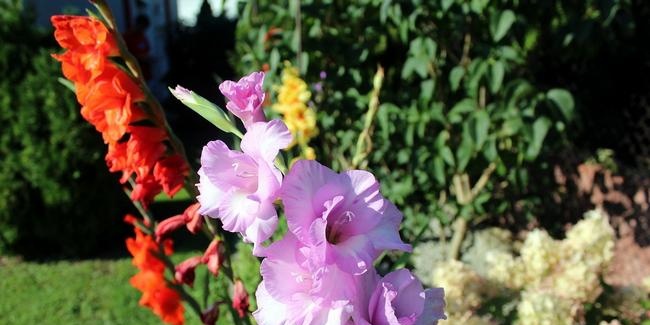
pixel 185 270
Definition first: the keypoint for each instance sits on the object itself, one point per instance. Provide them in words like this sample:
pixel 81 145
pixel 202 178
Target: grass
pixel 84 292
pixel 98 291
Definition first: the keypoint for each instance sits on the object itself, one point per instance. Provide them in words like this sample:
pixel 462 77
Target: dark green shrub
pixel 56 196
pixel 461 121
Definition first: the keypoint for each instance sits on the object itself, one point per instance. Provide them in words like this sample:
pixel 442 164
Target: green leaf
pixel 304 62
pixel 490 150
pixel 439 170
pixel 481 127
pixel 383 11
pixel 447 156
pixel 455 76
pixel 511 126
pixel 275 59
pixel 464 153
pixel 464 106
pixel 563 100
pixel 426 90
pixel 408 68
pixel 445 4
pixel 497 71
pixel 500 25
pixel 67 83
pixel 540 129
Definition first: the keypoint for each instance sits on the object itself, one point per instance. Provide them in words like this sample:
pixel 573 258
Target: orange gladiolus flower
pixel 110 99
pixel 88 42
pixel 170 172
pixel 108 103
pixel 156 295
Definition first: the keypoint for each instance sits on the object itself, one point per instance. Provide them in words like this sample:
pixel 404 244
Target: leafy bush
pixel 52 161
pixel 461 121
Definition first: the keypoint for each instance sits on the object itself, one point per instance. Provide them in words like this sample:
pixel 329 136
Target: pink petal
pixel 210 197
pixel 354 255
pixel 386 235
pixel 282 272
pixel 265 139
pixel 298 191
pixel 269 310
pixel 237 211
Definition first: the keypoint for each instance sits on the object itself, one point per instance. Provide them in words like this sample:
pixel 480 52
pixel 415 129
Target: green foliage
pixel 458 104
pixel 52 164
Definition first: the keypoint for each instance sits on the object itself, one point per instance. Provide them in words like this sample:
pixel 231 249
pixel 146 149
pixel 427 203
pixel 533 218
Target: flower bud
pixel 206 109
pixel 185 270
pixel 193 220
pixel 210 315
pixel 240 299
pixel 213 257
pixel 169 225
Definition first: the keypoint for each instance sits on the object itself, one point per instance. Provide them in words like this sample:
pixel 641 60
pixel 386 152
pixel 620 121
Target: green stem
pixel 364 142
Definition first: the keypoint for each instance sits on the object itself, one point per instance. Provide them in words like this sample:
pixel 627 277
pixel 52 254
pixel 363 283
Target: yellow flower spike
pixel 292 98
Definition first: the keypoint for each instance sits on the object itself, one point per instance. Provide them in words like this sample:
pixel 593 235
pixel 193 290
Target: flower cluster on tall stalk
pixel 293 97
pixel 322 269
pixel 114 98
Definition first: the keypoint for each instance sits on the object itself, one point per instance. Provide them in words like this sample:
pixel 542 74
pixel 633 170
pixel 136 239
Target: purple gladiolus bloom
pixel 300 289
pixel 245 98
pixel 398 299
pixel 342 215
pixel 239 187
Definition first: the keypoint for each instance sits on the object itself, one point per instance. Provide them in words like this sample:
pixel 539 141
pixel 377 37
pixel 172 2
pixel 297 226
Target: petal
pixel 434 307
pixel 228 168
pixel 354 255
pixel 410 298
pixel 237 211
pixel 269 311
pixel 282 272
pixel 269 181
pixel 299 194
pixel 263 225
pixel 210 197
pixel 265 139
pixel 386 235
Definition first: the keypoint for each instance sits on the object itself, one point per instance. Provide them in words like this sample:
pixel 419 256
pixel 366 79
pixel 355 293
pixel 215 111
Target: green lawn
pixel 85 292
pixel 96 291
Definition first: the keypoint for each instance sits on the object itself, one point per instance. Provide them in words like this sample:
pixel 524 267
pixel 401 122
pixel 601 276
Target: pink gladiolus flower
pixel 398 299
pixel 245 98
pixel 344 215
pixel 299 289
pixel 239 187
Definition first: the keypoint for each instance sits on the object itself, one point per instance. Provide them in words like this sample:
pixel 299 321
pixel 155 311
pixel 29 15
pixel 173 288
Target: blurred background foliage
pixel 462 122
pixel 491 113
pixel 56 196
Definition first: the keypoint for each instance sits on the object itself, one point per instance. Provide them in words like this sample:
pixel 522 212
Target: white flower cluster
pixel 554 278
pixel 463 286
